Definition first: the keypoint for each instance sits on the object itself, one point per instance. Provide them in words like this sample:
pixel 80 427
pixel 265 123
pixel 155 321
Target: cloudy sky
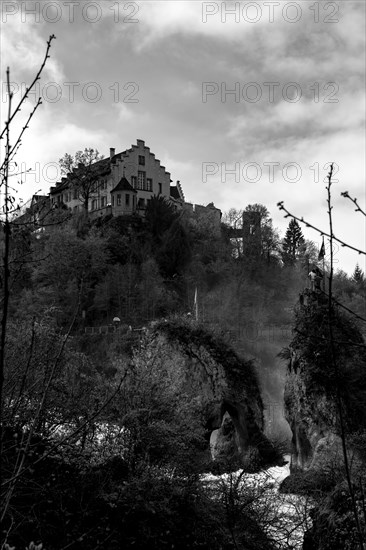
pixel 243 102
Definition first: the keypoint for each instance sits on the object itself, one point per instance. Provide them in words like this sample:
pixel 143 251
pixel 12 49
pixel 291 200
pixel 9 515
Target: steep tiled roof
pixel 123 185
pixel 98 169
pixel 174 192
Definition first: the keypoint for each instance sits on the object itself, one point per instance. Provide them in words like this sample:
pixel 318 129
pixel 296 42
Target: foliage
pixel 358 275
pixel 334 523
pixel 84 170
pixel 105 507
pixel 190 334
pixel 48 384
pixel 167 236
pixel 66 275
pixel 313 349
pixel 292 243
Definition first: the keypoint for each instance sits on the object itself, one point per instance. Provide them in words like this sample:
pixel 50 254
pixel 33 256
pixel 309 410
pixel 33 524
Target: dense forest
pixel 106 434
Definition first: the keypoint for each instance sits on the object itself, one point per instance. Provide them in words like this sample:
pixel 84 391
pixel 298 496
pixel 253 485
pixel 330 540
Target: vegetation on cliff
pixel 313 384
pixel 316 373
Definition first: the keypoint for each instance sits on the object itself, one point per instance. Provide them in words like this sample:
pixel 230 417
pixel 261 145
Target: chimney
pixel 112 152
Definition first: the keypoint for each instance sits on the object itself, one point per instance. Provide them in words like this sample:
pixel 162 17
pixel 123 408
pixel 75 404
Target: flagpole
pixel 323 258
pixel 196 304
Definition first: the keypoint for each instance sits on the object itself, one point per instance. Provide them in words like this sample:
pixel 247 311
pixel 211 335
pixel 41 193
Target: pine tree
pixel 358 275
pixel 292 243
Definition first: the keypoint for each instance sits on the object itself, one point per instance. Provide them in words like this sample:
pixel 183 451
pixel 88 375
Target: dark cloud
pixel 162 61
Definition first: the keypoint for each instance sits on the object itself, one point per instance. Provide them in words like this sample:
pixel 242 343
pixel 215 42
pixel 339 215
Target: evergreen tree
pixel 358 275
pixel 292 243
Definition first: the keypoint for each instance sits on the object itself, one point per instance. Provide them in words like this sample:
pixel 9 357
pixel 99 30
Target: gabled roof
pixel 39 198
pixel 174 193
pixel 123 185
pixel 97 170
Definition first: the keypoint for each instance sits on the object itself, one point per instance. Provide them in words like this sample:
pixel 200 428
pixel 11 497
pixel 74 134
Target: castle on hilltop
pixel 123 185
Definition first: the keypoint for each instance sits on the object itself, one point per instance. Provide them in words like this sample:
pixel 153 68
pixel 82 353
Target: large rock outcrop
pixel 324 399
pixel 326 368
pixel 225 386
pixel 312 417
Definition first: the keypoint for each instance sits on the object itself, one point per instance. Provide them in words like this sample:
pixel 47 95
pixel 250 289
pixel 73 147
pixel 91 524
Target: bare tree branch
pixel 358 209
pixel 37 77
pixel 322 232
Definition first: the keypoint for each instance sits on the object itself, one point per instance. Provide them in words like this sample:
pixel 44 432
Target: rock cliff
pixel 325 368
pixel 225 386
pixel 324 396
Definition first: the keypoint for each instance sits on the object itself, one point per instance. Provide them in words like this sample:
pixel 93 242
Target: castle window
pixel 94 205
pixel 149 184
pixel 160 188
pixel 112 200
pixel 142 160
pixel 118 200
pixel 104 202
pixel 141 180
pixel 133 181
pixel 127 199
pixel 75 195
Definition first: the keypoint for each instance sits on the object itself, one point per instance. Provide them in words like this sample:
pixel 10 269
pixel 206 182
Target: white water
pixel 284 517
